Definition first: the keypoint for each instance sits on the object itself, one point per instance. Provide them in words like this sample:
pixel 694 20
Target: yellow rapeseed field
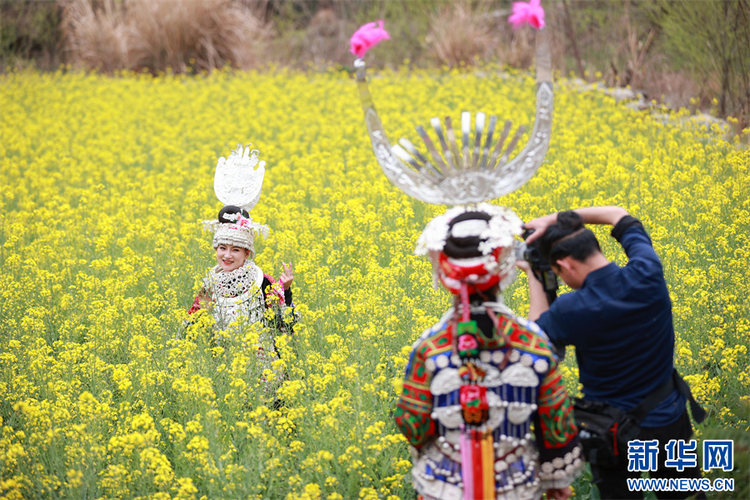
pixel 104 182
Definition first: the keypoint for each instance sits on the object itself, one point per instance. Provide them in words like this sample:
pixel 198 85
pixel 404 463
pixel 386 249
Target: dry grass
pixel 675 89
pixel 97 35
pixel 326 39
pixel 617 41
pixel 519 50
pixel 161 34
pixel 463 32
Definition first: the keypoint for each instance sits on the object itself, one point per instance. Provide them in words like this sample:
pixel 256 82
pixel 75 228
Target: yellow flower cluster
pixel 104 393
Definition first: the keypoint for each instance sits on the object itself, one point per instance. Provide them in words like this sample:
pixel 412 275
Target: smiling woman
pixel 236 289
pixel 231 257
pixel 249 308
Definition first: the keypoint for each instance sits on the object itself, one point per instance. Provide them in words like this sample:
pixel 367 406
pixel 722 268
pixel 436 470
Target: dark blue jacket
pixel 620 322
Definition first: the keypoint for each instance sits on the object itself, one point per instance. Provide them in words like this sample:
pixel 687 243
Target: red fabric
pixel 614 437
pixel 477 278
pixel 278 292
pixel 196 305
pixel 476 461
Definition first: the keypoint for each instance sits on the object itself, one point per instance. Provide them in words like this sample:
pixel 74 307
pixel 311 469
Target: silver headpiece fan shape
pixel 480 170
pixel 237 180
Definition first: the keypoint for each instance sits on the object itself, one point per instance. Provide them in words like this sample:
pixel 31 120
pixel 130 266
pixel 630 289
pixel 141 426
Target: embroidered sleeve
pixel 414 407
pixel 196 305
pixel 199 301
pixel 556 433
pixel 276 293
pixel 285 316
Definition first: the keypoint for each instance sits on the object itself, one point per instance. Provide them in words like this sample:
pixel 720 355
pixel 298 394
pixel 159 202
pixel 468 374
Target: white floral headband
pixel 240 223
pixel 498 232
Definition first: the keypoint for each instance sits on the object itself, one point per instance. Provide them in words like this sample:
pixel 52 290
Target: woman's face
pixel 231 257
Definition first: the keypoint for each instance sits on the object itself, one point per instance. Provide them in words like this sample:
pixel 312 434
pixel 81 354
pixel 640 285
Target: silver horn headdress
pixel 238 182
pixel 480 170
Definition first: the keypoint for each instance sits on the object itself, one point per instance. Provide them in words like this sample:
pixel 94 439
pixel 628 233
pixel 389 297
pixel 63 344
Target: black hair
pixel 464 248
pixel 568 237
pixel 231 210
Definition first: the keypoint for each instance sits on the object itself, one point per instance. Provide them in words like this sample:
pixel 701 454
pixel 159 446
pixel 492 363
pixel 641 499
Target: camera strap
pixel 657 396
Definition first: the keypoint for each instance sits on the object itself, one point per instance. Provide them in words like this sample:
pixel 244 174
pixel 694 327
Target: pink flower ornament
pixel 531 13
pixel 242 221
pixel 467 343
pixel 470 395
pixel 368 36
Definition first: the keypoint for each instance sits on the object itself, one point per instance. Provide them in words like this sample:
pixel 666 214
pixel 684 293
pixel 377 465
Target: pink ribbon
pixel 531 13
pixel 368 36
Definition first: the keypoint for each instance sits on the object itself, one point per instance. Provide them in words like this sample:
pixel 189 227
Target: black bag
pixel 604 430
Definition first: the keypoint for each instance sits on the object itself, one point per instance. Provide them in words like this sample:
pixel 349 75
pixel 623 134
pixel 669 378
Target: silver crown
pixel 237 180
pixel 481 170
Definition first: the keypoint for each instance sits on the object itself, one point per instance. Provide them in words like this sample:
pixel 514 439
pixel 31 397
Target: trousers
pixel 612 482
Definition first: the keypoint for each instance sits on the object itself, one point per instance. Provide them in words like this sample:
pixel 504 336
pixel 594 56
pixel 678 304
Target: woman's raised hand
pixel 287 275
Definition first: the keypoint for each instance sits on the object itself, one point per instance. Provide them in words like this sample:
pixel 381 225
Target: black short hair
pixel 231 210
pixel 568 237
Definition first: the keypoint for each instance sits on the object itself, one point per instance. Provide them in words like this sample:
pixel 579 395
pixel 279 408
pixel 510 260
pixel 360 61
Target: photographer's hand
pixel 537 297
pixel 559 493
pixel 539 226
pixel 590 215
pixel 524 266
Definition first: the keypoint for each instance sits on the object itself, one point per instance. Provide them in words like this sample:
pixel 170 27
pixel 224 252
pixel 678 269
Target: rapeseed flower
pixel 104 391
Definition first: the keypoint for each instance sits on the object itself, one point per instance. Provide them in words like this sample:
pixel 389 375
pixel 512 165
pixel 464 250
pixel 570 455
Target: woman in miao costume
pixel 236 291
pixel 481 378
pixel 477 380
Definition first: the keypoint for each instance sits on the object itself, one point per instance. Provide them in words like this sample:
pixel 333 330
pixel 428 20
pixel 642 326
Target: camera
pixel 539 265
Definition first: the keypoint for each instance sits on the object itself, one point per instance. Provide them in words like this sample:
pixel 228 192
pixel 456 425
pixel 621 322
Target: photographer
pixel 620 322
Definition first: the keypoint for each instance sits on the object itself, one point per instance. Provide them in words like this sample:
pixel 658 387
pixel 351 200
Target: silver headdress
pixel 238 182
pixel 480 170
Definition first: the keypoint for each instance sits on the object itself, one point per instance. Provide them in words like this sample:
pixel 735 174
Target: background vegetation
pixel 104 182
pixel 683 53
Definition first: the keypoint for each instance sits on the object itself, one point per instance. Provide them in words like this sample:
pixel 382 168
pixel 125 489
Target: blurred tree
pixel 29 30
pixel 712 41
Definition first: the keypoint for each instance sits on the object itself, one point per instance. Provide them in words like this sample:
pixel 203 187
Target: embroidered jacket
pixel 248 304
pixel 241 302
pixel 517 384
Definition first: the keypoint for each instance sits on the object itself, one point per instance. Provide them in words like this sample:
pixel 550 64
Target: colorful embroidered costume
pixel 245 293
pixel 478 380
pixel 504 381
pixel 236 291
pixel 243 296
